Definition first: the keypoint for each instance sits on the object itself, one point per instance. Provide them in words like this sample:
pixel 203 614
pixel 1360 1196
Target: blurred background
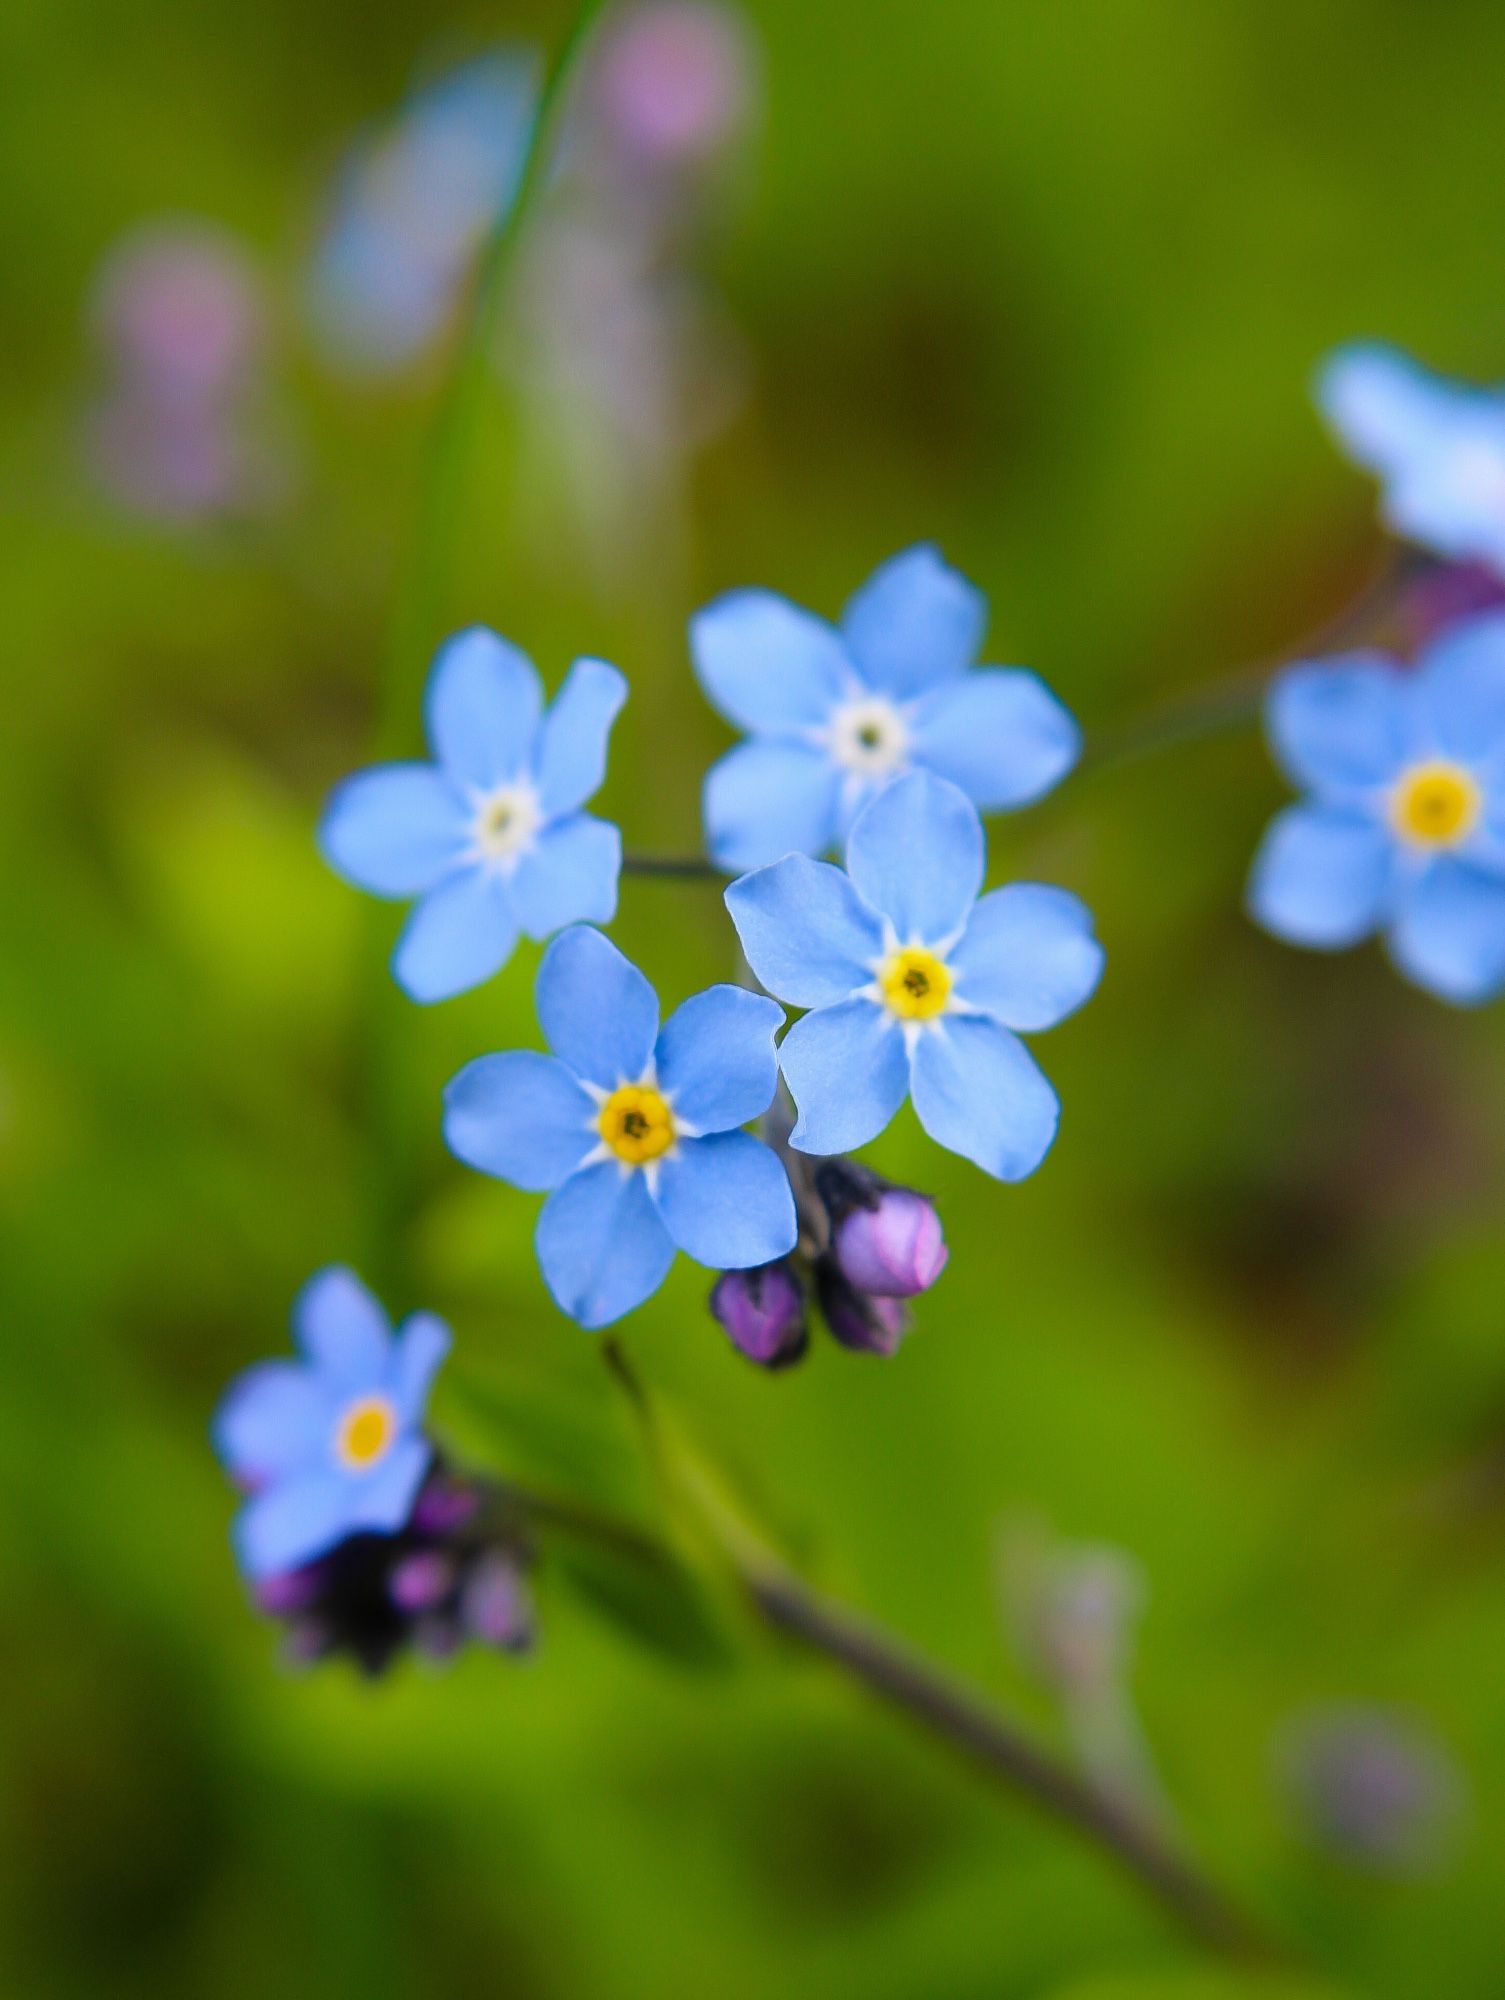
pixel 1208 1419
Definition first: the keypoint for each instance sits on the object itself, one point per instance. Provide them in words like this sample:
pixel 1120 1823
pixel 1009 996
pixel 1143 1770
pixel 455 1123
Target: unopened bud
pixel 763 1311
pixel 867 1321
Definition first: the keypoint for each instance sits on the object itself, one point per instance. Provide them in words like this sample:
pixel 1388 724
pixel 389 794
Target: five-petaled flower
pixel 1403 830
pixel 490 836
pixel 631 1128
pixel 833 716
pixel 914 984
pixel 331 1445
pixel 1438 448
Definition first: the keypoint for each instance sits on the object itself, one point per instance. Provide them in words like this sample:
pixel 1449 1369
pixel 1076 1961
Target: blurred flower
pixel 671 82
pixel 455 1570
pixel 412 208
pixel 181 429
pixel 632 1128
pixel 1437 446
pixel 763 1312
pixel 886 1239
pixel 330 1445
pixel 1370 1786
pixel 913 984
pixel 1403 830
pixel 1073 1609
pixel 836 715
pixel 491 836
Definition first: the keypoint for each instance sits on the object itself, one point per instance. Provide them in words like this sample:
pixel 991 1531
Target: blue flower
pixel 490 837
pixel 834 716
pixel 914 984
pixel 1403 828
pixel 1437 446
pixel 632 1128
pixel 330 1445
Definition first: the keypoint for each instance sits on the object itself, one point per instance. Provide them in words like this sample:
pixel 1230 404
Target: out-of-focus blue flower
pixel 490 836
pixel 833 716
pixel 1438 448
pixel 1403 826
pixel 914 984
pixel 330 1445
pixel 413 206
pixel 632 1129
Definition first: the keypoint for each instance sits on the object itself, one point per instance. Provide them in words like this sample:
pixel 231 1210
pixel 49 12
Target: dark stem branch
pixel 683 867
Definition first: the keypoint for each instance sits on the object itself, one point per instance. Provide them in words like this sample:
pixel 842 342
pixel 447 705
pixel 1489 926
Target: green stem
pixel 680 867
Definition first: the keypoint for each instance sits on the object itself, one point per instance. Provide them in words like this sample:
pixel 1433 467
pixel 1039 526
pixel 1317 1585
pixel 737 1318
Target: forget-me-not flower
pixel 1438 448
pixel 330 1445
pixel 490 836
pixel 915 984
pixel 834 715
pixel 632 1128
pixel 1403 826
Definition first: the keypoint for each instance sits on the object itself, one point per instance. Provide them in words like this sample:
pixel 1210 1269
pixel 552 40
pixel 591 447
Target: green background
pixel 1044 282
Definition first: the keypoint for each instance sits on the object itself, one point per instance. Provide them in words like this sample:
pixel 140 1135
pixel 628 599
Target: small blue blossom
pixel 490 836
pixel 833 716
pixel 915 985
pixel 331 1445
pixel 1438 448
pixel 632 1129
pixel 1403 826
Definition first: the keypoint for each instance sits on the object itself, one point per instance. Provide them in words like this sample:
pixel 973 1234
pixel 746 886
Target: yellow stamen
pixel 1436 805
pixel 636 1124
pixel 915 983
pixel 366 1430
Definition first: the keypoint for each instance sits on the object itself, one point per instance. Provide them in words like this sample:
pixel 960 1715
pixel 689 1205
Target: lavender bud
pixel 763 1311
pixel 443 1507
pixel 1373 1790
pixel 289 1591
pixel 895 1249
pixel 421 1581
pixel 863 1320
pixel 495 1604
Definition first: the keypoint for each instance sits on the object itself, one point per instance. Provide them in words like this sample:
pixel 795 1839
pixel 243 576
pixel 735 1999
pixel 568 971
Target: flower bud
pixel 894 1248
pixel 495 1604
pixel 420 1581
pixel 763 1311
pixel 866 1321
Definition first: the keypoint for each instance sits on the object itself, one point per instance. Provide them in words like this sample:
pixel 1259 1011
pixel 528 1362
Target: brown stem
pixel 689 867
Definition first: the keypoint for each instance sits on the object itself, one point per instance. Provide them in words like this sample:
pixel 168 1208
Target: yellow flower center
pixel 915 983
pixel 636 1124
pixel 1436 805
pixel 365 1431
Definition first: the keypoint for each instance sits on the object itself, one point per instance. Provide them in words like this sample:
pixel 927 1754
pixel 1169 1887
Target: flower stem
pixel 683 867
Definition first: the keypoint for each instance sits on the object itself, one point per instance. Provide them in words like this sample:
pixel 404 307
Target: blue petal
pixel 1461 685
pixel 568 876
pixel 769 798
pixel 1322 877
pixel 394 830
pixel 423 1340
pixel 716 1057
pixel 806 933
pixel 482 708
pixel 601 1245
pixel 383 1501
pixel 273 1418
pixel 1451 498
pixel 916 855
pixel 460 934
pixel 571 757
pixel 979 1092
pixel 848 1073
pixel 766 664
pixel 999 733
pixel 1028 956
pixel 521 1116
pixel 342 1329
pixel 293 1522
pixel 726 1201
pixel 1383 407
pixel 1449 934
pixel 914 622
pixel 1341 725
pixel 597 1011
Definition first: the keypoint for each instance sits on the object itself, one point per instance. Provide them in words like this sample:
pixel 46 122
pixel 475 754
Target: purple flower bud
pixel 894 1247
pixel 421 1581
pixel 866 1321
pixel 763 1310
pixel 496 1606
pixel 1372 1787
pixel 444 1506
pixel 289 1591
pixel 675 80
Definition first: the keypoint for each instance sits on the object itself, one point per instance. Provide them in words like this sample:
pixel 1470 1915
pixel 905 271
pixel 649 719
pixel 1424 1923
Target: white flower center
pixel 868 736
pixel 506 823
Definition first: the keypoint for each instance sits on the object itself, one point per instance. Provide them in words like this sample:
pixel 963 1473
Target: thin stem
pixel 684 867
